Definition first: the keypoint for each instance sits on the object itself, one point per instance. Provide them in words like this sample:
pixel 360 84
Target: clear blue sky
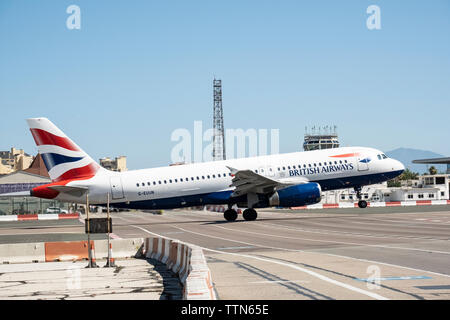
pixel 137 70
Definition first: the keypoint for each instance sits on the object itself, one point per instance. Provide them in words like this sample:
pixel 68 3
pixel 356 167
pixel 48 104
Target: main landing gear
pixel 249 214
pixel 361 203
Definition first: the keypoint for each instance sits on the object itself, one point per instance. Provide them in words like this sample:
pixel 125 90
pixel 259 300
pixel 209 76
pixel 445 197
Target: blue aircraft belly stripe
pixel 53 159
pixel 224 197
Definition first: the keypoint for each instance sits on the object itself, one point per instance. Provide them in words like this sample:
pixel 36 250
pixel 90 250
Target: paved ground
pixel 372 253
pixel 134 279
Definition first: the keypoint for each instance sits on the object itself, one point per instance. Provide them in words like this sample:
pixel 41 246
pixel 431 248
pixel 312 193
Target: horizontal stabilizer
pixel 16 194
pixel 73 191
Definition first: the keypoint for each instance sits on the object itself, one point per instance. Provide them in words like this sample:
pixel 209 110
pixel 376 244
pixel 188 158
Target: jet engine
pixel 295 196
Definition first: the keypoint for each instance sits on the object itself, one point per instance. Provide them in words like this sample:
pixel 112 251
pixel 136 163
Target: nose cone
pixel 397 166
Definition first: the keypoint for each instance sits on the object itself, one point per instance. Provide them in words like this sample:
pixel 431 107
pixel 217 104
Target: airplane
pixel 280 180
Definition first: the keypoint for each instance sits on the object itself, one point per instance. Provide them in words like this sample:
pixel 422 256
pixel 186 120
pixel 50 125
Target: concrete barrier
pixel 375 204
pixel 188 262
pixel 184 259
pixel 31 217
pixel 67 250
pixel 121 248
pixel 22 252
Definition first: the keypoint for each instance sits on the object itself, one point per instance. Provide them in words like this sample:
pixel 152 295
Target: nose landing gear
pixel 361 203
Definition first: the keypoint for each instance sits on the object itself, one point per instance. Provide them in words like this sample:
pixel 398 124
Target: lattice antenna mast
pixel 219 131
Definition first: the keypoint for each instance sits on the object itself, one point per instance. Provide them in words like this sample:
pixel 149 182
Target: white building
pixel 435 187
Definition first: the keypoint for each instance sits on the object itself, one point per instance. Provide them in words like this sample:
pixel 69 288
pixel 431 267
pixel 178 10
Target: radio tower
pixel 219 136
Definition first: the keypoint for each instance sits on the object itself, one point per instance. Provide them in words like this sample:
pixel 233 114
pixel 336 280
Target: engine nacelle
pixel 296 196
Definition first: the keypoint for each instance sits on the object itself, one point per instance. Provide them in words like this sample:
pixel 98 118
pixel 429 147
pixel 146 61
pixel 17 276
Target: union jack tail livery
pixel 63 158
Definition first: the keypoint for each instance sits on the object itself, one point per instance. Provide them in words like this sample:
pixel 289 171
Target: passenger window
pixel 165 181
pixel 170 180
pixel 214 176
pixel 137 184
pixel 219 174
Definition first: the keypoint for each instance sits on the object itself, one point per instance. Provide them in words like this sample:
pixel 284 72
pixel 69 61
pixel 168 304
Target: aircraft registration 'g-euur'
pixel 281 180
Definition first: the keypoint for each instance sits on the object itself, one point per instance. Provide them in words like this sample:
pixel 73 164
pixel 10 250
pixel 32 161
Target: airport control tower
pixel 318 138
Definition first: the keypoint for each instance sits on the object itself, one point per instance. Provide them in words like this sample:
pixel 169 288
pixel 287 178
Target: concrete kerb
pixel 186 260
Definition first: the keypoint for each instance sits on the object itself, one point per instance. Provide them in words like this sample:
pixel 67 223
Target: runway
pixel 372 253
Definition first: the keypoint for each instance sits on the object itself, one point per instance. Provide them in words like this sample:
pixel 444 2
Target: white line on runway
pixel 379 222
pixel 336 242
pixel 326 232
pixel 289 265
pixel 295 250
pixel 281 281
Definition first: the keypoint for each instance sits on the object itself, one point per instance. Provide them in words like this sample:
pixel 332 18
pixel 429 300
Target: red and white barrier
pixel 375 204
pixel 31 217
pixel 218 208
pixel 188 262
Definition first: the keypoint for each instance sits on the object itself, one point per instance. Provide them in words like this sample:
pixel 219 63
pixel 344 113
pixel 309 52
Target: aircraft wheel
pixel 230 215
pixel 249 214
pixel 362 204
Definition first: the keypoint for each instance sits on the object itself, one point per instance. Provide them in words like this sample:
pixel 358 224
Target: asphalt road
pixel 372 253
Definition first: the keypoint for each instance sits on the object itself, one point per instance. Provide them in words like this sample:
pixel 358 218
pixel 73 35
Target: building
pixel 317 141
pixel 119 164
pixel 427 187
pixel 435 161
pixel 24 181
pixel 14 160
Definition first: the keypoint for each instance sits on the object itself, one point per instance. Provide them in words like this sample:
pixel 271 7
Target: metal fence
pixel 17 187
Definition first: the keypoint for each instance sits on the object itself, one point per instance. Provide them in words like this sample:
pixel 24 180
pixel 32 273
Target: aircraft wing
pixel 247 181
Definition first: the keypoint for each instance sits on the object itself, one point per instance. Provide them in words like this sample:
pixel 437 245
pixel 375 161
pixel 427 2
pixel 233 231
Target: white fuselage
pixel 331 168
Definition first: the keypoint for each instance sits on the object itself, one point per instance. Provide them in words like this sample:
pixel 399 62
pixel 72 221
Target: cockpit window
pixel 379 156
pixel 384 156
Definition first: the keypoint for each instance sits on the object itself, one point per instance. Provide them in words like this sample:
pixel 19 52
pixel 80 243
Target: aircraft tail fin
pixel 63 158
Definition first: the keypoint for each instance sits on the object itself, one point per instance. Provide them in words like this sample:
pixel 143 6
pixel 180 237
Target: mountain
pixel 406 156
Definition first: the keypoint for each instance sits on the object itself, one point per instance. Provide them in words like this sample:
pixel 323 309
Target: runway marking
pixel 280 281
pixel 324 253
pixel 326 232
pixel 337 242
pixel 392 278
pixel 289 265
pixel 409 224
pixel 236 248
